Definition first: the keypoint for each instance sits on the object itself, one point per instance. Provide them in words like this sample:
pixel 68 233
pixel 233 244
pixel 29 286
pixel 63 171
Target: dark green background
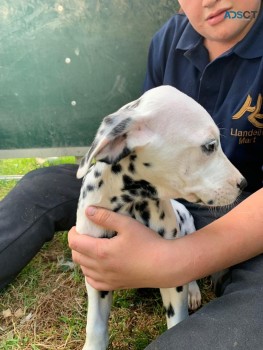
pixel 107 43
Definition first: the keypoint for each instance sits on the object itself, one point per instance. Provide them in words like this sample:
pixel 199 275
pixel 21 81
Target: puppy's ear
pixel 119 134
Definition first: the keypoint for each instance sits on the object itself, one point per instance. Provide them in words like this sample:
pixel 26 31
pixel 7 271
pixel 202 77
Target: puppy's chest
pixel 116 188
pixel 150 212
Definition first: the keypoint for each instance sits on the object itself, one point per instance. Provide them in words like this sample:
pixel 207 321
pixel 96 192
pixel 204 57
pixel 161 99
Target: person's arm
pixel 138 257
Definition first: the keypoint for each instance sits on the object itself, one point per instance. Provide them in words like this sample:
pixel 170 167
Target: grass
pixel 45 307
pixel 21 166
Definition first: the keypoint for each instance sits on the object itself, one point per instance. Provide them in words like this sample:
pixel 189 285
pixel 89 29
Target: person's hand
pixel 138 257
pixel 129 260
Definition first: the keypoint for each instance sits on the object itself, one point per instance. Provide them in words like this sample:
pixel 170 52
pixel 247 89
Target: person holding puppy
pixel 217 61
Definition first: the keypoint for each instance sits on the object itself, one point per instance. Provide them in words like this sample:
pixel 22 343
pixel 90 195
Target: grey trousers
pixel 232 321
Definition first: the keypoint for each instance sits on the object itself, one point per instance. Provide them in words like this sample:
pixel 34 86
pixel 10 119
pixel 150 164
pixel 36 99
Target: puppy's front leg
pixel 99 305
pixel 176 304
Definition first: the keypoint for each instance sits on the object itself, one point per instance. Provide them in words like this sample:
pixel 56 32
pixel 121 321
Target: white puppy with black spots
pixel 163 145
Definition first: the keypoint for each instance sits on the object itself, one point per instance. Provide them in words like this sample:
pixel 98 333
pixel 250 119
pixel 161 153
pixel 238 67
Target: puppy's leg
pixel 194 296
pixel 185 222
pixel 99 305
pixel 175 303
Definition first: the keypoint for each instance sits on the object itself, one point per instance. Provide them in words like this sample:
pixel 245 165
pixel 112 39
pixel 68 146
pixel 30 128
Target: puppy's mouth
pixel 209 203
pixel 193 198
pixel 199 201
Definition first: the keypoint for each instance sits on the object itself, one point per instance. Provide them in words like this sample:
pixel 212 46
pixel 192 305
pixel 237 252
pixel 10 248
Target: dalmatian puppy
pixel 163 145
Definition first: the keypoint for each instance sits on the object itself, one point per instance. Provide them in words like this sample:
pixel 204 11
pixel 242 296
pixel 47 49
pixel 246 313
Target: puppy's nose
pixel 243 184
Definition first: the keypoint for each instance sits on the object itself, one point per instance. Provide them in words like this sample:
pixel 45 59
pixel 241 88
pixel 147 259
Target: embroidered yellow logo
pixel 255 116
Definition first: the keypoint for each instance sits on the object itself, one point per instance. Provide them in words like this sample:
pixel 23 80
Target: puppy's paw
pixel 194 296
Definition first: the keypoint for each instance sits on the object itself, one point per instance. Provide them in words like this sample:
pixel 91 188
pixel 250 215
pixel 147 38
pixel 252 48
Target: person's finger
pixel 109 219
pixel 99 285
pixel 83 244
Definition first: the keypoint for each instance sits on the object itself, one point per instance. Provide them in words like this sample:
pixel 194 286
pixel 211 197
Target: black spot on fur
pixel 147 165
pixel 179 289
pixel 103 294
pixel 182 218
pixel 175 232
pixel 133 192
pixel 84 194
pixel 127 181
pixel 141 206
pixel 170 311
pixel 100 183
pixel 126 198
pixel 116 168
pixel 113 199
pixel 118 208
pixel 146 218
pixel 210 202
pixel 161 232
pixel 144 194
pixel 121 127
pixel 97 174
pixel 147 190
pixel 123 154
pixel 106 160
pixel 131 210
pixel 131 168
pixel 143 209
pixel 133 157
pixel 108 120
pixel 90 188
pixel 162 215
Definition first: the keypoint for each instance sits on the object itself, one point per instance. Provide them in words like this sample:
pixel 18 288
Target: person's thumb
pixel 107 218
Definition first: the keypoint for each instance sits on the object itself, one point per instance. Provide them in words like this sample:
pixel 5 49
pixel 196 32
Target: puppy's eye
pixel 210 147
